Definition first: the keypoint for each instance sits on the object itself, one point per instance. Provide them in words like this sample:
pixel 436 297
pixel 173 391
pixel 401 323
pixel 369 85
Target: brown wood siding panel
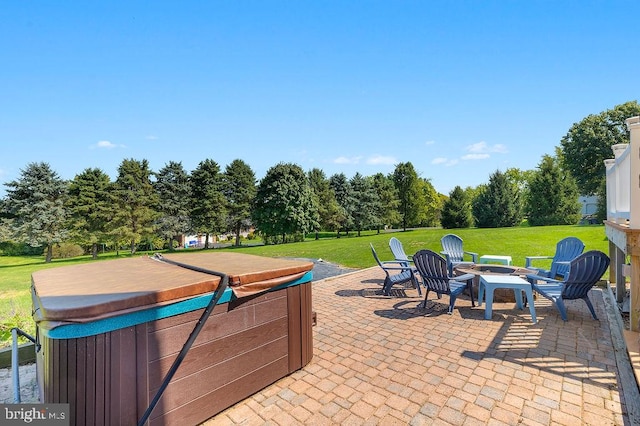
pixel 215 351
pixel 108 343
pixel 61 350
pixel 100 381
pixel 169 340
pixel 213 377
pixel 295 332
pixel 126 385
pixel 142 363
pixel 90 380
pixel 210 404
pixel 113 366
pixel 80 380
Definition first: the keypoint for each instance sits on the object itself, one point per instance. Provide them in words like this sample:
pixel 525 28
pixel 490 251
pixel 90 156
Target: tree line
pixel 142 206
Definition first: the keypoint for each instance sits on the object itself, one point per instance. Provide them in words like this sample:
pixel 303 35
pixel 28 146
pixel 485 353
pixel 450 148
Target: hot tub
pixel 110 333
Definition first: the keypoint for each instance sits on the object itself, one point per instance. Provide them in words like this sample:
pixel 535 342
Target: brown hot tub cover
pixel 90 291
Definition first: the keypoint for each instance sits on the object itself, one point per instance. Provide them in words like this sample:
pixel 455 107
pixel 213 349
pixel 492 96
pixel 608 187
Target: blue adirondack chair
pixel 397 272
pixel 584 272
pixel 454 253
pixel 399 254
pixel 435 277
pixel 567 249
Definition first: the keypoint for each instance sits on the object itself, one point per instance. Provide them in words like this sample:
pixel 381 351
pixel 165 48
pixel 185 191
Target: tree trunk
pixel 206 241
pixel 94 250
pixel 133 246
pixel 171 244
pixel 238 236
pixel 49 253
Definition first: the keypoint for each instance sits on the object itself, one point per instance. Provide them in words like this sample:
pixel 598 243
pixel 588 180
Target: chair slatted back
pixel 396 248
pixel 452 246
pixel 433 269
pixel 567 249
pixel 584 272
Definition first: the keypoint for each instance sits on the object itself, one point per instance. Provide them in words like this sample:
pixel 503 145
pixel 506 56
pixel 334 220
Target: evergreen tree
pixel 387 214
pixel 89 205
pixel 328 208
pixel 553 196
pixel 208 203
pixel 240 192
pixel 497 204
pixel 174 192
pixel 456 211
pixel 36 205
pixel 366 202
pixel 135 201
pixel 284 203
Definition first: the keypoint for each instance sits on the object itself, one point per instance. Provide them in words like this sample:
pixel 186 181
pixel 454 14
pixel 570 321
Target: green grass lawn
pixel 351 251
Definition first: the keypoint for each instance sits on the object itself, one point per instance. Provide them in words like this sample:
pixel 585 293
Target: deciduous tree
pixel 588 143
pixel 284 203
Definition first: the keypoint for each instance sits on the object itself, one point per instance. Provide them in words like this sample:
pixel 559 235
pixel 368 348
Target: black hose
pixel 224 282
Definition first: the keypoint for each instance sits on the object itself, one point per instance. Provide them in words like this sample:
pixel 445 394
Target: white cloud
pixel 475 156
pixel 381 159
pixel 499 148
pixel 347 160
pixel 106 145
pixel 482 147
pixel 429 143
pixel 151 138
pixel 445 161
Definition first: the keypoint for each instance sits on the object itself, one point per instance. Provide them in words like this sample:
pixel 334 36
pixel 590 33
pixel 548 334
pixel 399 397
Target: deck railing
pixel 619 173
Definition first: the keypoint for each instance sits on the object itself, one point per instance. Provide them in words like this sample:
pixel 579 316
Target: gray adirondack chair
pixel 397 272
pixel 454 253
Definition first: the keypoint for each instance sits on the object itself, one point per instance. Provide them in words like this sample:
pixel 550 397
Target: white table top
pixel 503 279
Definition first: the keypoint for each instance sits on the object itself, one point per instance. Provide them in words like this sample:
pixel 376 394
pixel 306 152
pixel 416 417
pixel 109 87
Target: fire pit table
pixel 500 295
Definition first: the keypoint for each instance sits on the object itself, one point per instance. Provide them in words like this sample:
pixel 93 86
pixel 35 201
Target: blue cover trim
pixel 73 331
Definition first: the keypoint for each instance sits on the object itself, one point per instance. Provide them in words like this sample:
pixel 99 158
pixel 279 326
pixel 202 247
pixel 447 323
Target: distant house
pixel 589 204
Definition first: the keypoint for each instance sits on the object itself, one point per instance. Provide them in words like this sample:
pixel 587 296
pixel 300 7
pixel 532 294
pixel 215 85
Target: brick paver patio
pixel 381 360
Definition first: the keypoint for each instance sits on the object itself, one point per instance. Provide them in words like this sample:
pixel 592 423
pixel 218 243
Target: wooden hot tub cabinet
pixel 110 364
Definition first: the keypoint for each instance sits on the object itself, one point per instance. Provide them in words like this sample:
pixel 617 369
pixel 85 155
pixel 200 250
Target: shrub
pixel 66 250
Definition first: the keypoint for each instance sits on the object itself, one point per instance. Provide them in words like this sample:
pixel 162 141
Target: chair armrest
pixel 528 259
pixel 474 256
pixel 533 278
pixel 464 277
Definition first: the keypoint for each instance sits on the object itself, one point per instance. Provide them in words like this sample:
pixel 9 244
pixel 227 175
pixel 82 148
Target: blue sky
pixel 459 88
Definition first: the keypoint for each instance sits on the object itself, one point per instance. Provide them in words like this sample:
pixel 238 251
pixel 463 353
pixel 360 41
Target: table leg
pixel 518 296
pixel 488 307
pixel 532 308
pixel 480 293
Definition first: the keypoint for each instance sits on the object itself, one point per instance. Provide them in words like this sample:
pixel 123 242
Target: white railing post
pixel 633 124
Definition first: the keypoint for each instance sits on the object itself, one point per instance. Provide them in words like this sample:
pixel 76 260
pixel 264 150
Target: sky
pixel 458 88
